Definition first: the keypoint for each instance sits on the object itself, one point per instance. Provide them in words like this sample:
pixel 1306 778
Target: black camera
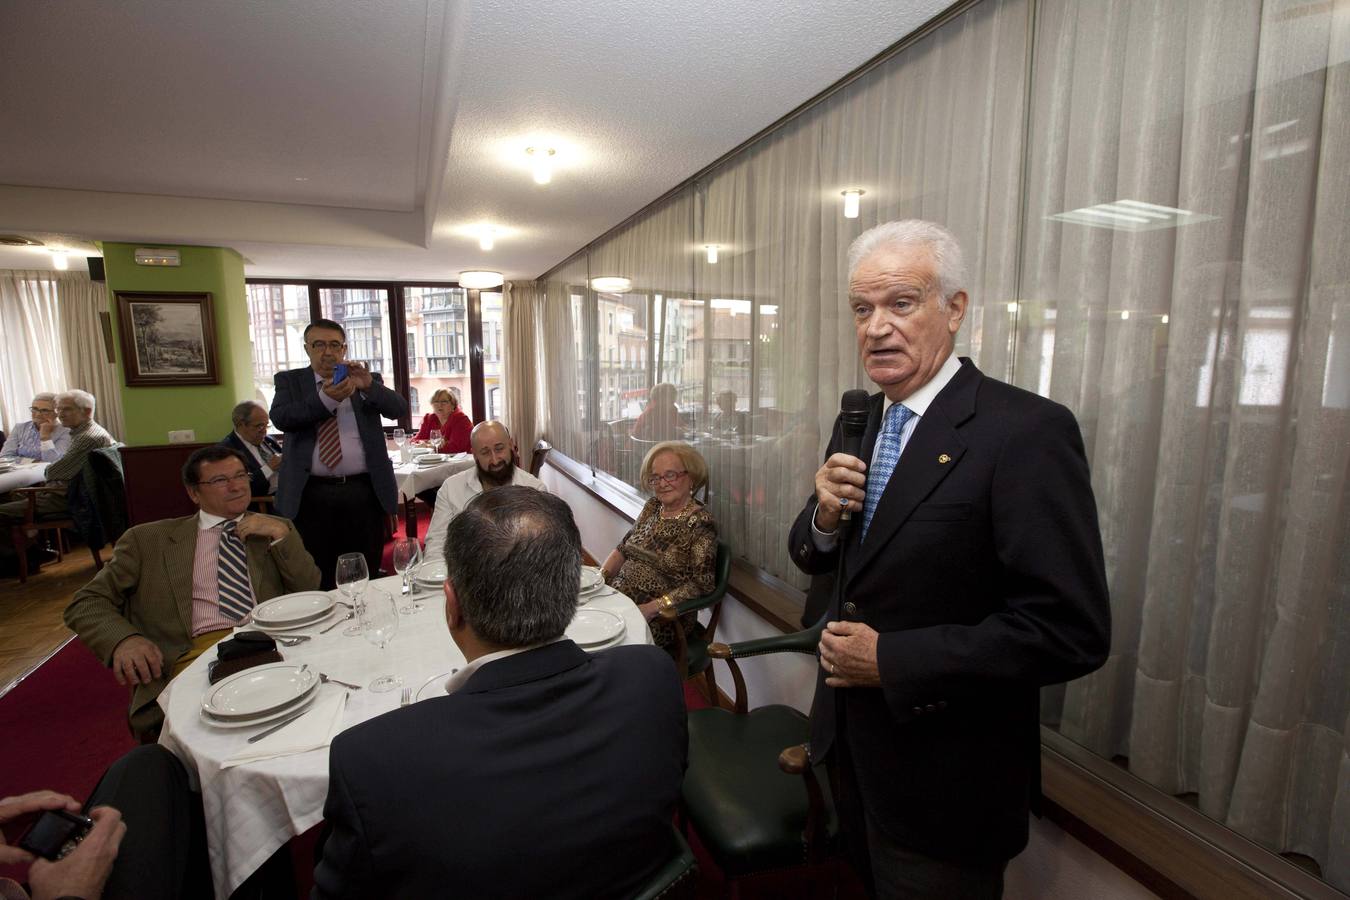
pixel 56 833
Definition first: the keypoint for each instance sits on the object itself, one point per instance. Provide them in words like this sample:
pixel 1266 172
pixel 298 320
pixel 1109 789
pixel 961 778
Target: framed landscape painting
pixel 167 339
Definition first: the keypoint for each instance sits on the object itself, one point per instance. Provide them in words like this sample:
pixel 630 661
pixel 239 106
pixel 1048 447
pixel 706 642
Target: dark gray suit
pixel 258 480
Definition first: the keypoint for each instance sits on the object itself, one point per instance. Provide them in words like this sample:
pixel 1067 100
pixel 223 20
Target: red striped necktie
pixel 330 443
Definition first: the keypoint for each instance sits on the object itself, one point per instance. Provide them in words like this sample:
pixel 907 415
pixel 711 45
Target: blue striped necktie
pixel 236 593
pixel 888 454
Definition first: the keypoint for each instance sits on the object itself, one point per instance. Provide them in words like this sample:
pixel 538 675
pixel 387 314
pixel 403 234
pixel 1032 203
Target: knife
pixel 275 728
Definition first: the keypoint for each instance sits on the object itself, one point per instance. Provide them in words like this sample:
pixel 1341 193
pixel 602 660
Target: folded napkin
pixel 312 731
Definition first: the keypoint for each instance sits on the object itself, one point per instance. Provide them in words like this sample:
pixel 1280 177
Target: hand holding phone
pixel 339 373
pixel 56 833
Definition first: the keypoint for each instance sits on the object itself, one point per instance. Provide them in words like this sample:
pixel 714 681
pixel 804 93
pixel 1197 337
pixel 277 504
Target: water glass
pixel 379 615
pixel 352 576
pixel 407 553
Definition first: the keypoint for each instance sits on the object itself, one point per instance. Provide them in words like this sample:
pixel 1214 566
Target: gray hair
pixel 82 399
pixel 239 415
pixel 45 395
pixel 948 261
pixel 513 557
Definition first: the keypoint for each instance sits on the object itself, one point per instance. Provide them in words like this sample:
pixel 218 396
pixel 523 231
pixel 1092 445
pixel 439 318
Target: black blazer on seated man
pixel 551 773
pixel 298 411
pixel 982 572
pixel 258 480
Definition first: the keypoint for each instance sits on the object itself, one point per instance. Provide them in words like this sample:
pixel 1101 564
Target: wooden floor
pixel 30 614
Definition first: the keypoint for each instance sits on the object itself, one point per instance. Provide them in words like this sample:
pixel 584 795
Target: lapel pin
pixel 944 459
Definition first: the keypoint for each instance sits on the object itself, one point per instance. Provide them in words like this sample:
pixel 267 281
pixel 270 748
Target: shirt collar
pixel 207 521
pixel 919 401
pixel 460 676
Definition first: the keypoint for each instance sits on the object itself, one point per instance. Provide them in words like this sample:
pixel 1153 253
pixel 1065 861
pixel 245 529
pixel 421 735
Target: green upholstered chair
pixel 677 878
pixel 691 657
pixel 750 791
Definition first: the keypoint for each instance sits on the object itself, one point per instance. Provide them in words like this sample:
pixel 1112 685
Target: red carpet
pixel 423 520
pixel 63 725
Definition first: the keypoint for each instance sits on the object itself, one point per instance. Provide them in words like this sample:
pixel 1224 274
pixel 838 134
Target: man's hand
pixel 275 463
pixel 86 869
pixel 254 525
pixel 359 376
pixel 136 660
pixel 12 808
pixel 340 391
pixel 841 479
pixel 848 654
pixel 45 429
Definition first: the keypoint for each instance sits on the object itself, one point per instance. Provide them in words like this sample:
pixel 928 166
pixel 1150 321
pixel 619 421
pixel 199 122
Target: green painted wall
pixel 150 413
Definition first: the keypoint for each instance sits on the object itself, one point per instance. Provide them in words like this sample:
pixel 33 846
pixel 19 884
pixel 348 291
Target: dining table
pixel 22 474
pixel 413 478
pixel 252 808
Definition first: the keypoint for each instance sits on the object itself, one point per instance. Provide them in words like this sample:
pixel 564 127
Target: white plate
pixel 431 574
pixel 259 690
pixel 431 459
pixel 292 609
pixel 288 629
pixel 594 626
pixel 591 578
pixel 596 648
pixel 434 686
pixel 303 703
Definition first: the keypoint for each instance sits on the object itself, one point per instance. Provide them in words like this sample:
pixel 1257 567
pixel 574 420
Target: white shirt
pixel 353 454
pixel 459 676
pixel 455 494
pixel 917 403
pixel 262 464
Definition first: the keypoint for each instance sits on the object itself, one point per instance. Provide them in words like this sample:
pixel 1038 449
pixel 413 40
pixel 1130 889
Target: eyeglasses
pixel 37 409
pixel 222 480
pixel 327 345
pixel 668 477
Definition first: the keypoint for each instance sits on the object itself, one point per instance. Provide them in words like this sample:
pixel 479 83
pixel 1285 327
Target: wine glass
pixel 352 578
pixel 406 552
pixel 436 440
pixel 379 615
pixel 400 438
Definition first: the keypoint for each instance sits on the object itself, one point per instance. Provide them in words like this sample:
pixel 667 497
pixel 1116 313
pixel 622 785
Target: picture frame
pixel 168 339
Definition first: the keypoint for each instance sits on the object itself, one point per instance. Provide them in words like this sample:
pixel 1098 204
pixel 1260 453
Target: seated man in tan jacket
pixel 174 588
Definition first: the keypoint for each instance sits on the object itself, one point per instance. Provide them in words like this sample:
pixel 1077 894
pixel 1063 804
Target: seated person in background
pixel 448 421
pixel 546 772
pixel 261 454
pixel 75 410
pixel 660 418
pixel 728 421
pixel 175 587
pixel 494 466
pixel 44 439
pixel 671 554
pixel 148 841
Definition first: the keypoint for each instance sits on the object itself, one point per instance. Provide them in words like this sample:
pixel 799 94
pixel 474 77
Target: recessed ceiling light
pixel 1131 215
pixel 712 252
pixel 487 237
pixel 60 259
pixel 541 160
pixel 477 280
pixel 852 197
pixel 611 284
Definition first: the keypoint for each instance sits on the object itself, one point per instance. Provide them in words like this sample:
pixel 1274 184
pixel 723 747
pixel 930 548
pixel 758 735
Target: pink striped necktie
pixel 330 443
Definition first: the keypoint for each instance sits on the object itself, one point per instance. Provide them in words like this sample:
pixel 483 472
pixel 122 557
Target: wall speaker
pixel 96 268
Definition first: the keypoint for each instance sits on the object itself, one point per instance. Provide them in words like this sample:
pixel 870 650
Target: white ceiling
pixel 367 138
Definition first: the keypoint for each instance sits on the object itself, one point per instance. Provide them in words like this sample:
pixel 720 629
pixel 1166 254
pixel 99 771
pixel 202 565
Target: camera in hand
pixel 56 833
pixel 339 373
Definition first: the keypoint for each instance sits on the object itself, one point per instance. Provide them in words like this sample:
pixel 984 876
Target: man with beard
pixel 495 467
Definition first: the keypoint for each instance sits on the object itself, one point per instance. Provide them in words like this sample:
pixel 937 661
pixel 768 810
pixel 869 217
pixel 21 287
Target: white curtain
pixel 1152 196
pixel 81 302
pixel 33 359
pixel 522 359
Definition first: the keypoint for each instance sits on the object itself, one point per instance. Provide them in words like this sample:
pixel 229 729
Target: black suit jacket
pixel 552 773
pixel 257 477
pixel 298 411
pixel 983 574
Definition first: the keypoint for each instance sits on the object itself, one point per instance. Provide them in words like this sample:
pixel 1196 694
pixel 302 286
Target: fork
pixel 291 641
pixel 336 623
pixel 405 697
pixel 351 687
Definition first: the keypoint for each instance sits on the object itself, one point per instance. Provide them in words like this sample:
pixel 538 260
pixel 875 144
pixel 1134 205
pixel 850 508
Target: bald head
pixel 493 453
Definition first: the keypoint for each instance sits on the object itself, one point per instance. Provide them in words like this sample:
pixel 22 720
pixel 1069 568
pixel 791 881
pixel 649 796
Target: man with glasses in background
pixel 495 466
pixel 262 455
pixel 336 474
pixel 44 439
pixel 175 587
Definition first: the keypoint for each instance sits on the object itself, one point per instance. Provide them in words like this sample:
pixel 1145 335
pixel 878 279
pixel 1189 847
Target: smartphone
pixel 339 373
pixel 55 833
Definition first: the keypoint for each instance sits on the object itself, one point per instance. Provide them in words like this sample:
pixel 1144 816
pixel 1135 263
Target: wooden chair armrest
pixel 39 489
pixel 795 759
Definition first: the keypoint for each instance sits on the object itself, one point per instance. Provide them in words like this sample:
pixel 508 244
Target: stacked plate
pixel 431 459
pixel 259 695
pixel 592 584
pixel 431 574
pixel 293 611
pixel 596 629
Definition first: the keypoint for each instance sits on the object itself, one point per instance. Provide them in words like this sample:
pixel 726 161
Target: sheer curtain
pixel 33 361
pixel 522 325
pixel 86 358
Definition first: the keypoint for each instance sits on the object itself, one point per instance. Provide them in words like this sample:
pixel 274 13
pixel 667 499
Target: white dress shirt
pixel 271 473
pixel 455 494
pixel 353 454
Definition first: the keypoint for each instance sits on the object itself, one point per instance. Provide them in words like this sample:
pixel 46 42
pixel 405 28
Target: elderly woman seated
pixel 671 554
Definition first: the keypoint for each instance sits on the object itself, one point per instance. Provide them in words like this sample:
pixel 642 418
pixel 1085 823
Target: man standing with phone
pixel 336 471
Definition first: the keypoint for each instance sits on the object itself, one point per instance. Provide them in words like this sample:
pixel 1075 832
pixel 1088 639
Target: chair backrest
pixel 154 482
pixel 677 878
pixel 541 451
pixel 98 499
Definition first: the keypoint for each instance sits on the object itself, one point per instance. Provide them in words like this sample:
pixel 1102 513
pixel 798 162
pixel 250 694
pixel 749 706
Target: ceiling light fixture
pixel 542 160
pixel 61 259
pixel 487 236
pixel 479 280
pixel 18 240
pixel 1164 318
pixel 611 284
pixel 712 252
pixel 851 201
pixel 1124 315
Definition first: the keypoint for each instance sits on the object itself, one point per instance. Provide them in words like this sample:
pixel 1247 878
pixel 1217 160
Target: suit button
pixel 942 704
pixel 918 710
pixel 850 609
pixel 930 708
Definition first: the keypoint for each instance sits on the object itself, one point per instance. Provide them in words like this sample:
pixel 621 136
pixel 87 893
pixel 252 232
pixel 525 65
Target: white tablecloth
pixel 31 473
pixel 413 479
pixel 253 809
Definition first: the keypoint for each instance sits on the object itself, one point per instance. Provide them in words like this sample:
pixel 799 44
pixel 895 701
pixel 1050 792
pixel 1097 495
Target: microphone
pixel 852 425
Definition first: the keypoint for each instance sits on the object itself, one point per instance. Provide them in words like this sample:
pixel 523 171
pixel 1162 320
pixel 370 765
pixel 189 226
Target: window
pixel 364 313
pixel 277 315
pixel 438 317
